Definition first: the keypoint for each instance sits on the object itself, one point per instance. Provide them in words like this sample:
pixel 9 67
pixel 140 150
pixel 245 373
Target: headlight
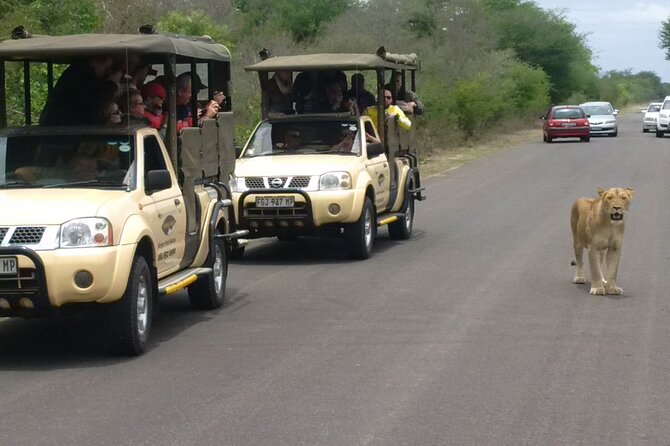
pixel 86 232
pixel 663 115
pixel 237 184
pixel 610 122
pixel 335 181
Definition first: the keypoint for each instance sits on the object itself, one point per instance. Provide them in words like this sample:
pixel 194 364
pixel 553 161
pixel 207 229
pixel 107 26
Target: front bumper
pixel 311 211
pixel 603 129
pixel 46 279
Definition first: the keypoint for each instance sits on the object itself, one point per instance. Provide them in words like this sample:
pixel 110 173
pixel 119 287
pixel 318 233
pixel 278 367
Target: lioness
pixel 597 225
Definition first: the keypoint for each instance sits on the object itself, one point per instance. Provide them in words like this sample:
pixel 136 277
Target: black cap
pixel 197 83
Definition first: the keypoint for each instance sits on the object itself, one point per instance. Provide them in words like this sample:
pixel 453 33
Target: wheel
pixel 209 291
pixel 614 135
pixel 361 234
pixel 645 130
pixel 544 137
pixel 585 138
pixel 659 134
pixel 549 139
pixel 128 321
pixel 401 229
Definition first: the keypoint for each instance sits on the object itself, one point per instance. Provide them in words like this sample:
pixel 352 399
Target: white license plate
pixel 569 124
pixel 9 266
pixel 275 202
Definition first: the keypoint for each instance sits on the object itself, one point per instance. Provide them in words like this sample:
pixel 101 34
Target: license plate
pixel 569 124
pixel 275 202
pixel 9 266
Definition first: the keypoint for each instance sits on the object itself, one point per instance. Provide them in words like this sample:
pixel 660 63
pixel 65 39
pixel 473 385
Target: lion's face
pixel 616 202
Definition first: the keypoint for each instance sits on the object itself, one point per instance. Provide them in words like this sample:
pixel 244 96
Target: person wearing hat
pixel 184 97
pixel 140 73
pixel 154 95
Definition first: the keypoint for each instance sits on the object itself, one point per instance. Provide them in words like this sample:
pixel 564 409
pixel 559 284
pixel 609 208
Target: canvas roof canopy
pixel 338 61
pixel 62 49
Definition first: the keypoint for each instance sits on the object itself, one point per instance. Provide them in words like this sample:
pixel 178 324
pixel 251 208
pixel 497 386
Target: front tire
pixel 401 229
pixel 209 292
pixel 361 234
pixel 128 321
pixel 659 134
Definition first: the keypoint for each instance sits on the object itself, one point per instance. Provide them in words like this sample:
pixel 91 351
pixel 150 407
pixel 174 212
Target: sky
pixel 623 34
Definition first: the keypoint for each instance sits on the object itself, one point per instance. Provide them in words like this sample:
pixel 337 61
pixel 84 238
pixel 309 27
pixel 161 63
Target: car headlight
pixel 663 115
pixel 237 184
pixel 335 181
pixel 86 232
pixel 612 121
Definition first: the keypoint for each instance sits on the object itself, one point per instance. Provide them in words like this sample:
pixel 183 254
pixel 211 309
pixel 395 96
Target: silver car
pixel 650 117
pixel 602 117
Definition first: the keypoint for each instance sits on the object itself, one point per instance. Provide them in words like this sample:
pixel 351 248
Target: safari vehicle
pixel 333 179
pixel 151 219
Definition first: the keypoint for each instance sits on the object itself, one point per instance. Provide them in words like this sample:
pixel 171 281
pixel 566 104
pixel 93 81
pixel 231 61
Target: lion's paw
pixel 579 280
pixel 614 290
pixel 598 291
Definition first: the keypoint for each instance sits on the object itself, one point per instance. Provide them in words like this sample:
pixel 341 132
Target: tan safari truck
pixel 328 174
pixel 113 216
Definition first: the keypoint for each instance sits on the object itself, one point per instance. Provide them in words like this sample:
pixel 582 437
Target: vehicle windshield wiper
pixel 17 184
pixel 71 184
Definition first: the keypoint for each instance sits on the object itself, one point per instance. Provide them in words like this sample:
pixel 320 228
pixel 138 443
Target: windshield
pixel 305 137
pixel 92 161
pixel 568 113
pixel 654 108
pixel 596 110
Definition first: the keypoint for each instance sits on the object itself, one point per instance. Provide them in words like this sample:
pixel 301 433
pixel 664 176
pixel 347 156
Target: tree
pixel 195 24
pixel 664 38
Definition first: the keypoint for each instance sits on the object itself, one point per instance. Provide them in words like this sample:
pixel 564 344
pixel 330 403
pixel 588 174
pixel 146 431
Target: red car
pixel 566 121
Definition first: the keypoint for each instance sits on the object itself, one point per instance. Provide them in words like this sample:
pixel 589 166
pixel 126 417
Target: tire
pixel 659 134
pixel 128 321
pixel 614 135
pixel 209 292
pixel 645 130
pixel 544 137
pixel 401 229
pixel 549 139
pixel 361 234
pixel 585 138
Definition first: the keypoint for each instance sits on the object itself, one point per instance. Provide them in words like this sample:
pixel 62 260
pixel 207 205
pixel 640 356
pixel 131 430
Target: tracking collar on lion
pixel 598 225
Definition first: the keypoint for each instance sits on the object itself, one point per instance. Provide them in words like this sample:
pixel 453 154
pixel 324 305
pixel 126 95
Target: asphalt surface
pixel 470 333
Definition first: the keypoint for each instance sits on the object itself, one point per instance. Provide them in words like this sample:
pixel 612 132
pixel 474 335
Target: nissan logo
pixel 276 182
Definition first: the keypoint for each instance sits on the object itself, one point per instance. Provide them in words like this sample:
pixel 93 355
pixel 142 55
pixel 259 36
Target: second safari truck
pixel 153 216
pixel 342 174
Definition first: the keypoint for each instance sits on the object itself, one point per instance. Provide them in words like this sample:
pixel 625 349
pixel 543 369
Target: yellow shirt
pixel 392 110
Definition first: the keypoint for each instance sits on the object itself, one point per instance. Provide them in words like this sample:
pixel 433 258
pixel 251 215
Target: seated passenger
pixel 279 93
pixel 291 139
pixel 346 141
pixel 334 101
pixel 390 111
pixel 363 98
pixel 132 108
pixel 184 97
pixel 154 96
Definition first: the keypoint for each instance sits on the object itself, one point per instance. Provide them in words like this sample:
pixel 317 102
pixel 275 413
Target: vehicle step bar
pixel 390 218
pixel 237 234
pixel 181 280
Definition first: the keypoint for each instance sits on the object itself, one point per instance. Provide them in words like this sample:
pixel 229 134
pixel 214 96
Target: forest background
pixel 486 65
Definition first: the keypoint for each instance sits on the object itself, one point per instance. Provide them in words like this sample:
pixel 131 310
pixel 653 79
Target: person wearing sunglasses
pixel 391 111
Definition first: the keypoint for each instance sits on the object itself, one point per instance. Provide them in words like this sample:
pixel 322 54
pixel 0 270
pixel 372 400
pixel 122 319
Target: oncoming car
pixel 602 118
pixel 565 121
pixel 663 121
pixel 650 117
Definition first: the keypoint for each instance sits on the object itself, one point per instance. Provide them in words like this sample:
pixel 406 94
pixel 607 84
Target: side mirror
pixel 157 180
pixel 616 112
pixel 375 149
pixel 238 151
pixel 588 116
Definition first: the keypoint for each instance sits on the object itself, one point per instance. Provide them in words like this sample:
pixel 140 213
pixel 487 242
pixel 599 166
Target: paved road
pixel 471 333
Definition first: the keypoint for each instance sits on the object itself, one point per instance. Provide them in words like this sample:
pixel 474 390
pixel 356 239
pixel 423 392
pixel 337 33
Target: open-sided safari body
pixel 151 217
pixel 329 173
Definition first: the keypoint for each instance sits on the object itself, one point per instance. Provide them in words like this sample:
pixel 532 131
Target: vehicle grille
pixel 299 182
pixel 254 182
pixel 276 182
pixel 3 232
pixel 28 235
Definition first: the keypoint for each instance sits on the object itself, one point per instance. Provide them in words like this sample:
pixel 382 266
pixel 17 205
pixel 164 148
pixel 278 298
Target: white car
pixel 602 117
pixel 650 116
pixel 663 121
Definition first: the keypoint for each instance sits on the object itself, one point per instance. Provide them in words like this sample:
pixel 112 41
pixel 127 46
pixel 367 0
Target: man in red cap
pixel 154 95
